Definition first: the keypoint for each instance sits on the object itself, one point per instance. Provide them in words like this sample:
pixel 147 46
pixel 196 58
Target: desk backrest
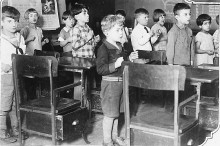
pixel 37 66
pixel 155 77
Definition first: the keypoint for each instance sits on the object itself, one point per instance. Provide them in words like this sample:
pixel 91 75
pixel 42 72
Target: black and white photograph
pixel 109 73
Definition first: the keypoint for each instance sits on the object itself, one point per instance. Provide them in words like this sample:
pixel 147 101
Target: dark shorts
pixel 111 98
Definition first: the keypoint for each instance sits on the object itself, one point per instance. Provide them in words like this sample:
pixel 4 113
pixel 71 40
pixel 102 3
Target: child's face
pixel 161 20
pixel 33 17
pixel 206 25
pixel 115 33
pixel 9 24
pixel 83 16
pixel 69 22
pixel 183 16
pixel 143 19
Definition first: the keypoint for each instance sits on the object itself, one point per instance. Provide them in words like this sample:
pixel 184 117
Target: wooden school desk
pixel 76 64
pixel 197 77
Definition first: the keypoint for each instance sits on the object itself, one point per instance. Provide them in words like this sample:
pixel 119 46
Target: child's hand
pixel 118 62
pixel 46 40
pixel 133 55
pixel 210 52
pixel 6 68
pixel 97 38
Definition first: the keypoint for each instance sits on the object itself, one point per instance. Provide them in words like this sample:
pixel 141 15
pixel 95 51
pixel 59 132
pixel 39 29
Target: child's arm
pixel 45 41
pixel 65 42
pixel 103 65
pixel 170 47
pixel 199 51
pixel 25 32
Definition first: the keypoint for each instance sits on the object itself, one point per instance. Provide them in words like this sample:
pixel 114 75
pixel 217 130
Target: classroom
pixel 109 72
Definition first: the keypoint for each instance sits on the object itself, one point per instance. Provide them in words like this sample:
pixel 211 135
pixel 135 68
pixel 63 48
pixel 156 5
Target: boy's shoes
pixel 6 137
pixel 15 133
pixel 119 141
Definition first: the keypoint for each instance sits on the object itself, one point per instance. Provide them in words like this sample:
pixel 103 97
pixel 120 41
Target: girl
pixel 32 34
pixel 159 30
pixel 204 41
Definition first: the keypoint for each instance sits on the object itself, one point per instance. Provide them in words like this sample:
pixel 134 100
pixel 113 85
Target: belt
pixel 107 78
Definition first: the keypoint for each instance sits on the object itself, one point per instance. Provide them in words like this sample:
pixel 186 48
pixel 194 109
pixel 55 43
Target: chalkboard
pixel 167 5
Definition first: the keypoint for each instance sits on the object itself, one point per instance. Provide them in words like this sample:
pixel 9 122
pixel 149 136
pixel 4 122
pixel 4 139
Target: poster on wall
pixel 47 9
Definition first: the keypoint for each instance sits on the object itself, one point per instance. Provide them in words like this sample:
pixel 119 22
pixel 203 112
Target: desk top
pixel 209 66
pixel 202 75
pixel 76 63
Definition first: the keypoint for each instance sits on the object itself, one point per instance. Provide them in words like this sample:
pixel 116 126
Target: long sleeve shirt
pixel 106 57
pixel 140 38
pixel 180 46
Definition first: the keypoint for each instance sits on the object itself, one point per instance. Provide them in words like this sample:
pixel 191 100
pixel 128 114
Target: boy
pixel 85 40
pixel 180 43
pixel 65 39
pixel 32 34
pixel 108 64
pixel 10 40
pixel 141 37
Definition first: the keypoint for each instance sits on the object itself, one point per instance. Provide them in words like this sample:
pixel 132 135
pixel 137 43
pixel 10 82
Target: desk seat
pixel 43 105
pixel 162 121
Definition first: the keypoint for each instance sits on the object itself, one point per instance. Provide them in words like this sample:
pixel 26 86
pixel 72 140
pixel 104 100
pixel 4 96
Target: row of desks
pixel 195 75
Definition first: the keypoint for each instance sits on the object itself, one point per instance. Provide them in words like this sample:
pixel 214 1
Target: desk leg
pixel 198 91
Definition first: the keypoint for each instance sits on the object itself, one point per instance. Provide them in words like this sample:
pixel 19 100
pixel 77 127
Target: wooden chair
pixel 47 115
pixel 157 127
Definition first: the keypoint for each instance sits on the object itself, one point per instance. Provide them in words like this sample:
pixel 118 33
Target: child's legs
pixel 115 128
pixel 111 93
pixel 107 129
pixel 7 93
pixel 13 116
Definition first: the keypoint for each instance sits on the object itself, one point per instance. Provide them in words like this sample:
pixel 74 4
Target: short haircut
pixel 140 11
pixel 120 12
pixel 31 10
pixel 110 21
pixel 66 15
pixel 11 12
pixel 203 17
pixel 180 6
pixel 217 19
pixel 157 13
pixel 78 8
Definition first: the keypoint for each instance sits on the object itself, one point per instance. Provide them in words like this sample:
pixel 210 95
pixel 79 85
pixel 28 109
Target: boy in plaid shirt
pixel 86 41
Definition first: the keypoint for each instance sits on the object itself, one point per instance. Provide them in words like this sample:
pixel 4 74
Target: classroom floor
pixel 94 130
pixel 94 135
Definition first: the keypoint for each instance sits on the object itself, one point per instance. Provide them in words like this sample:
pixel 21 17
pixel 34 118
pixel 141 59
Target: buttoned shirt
pixel 180 46
pixel 140 38
pixel 83 47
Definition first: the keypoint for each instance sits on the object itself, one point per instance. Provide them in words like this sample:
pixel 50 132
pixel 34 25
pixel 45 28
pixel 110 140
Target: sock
pixel 115 128
pixel 107 129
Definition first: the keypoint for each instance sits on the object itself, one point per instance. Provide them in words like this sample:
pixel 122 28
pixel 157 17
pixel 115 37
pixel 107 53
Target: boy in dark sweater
pixel 109 59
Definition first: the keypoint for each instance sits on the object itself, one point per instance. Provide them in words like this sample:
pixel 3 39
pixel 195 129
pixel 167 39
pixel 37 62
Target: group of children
pixel 78 40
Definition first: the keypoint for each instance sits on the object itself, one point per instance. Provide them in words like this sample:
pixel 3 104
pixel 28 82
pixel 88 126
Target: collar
pixel 110 46
pixel 184 27
pixel 66 29
pixel 141 26
pixel 9 38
